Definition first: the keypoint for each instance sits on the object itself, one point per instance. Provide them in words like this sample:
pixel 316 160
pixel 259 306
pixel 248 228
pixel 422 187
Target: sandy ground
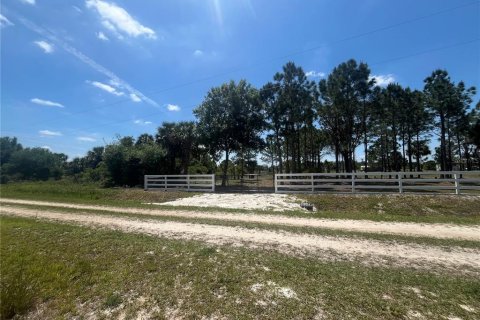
pixel 441 231
pixel 369 251
pixel 259 201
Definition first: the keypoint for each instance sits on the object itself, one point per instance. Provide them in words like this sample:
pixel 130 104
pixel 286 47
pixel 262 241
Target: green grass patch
pixel 72 271
pixel 67 191
pixel 415 208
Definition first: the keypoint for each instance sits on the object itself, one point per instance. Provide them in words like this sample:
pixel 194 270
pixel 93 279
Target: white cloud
pixel 115 17
pixel 47 47
pixel 173 107
pixel 48 133
pixel 315 74
pixel 4 22
pixel 46 148
pixel 85 59
pixel 135 98
pixel 32 2
pixel 198 53
pixel 142 123
pixel 86 139
pixel 383 80
pixel 47 103
pixel 114 83
pixel 106 87
pixel 102 36
pixel 77 9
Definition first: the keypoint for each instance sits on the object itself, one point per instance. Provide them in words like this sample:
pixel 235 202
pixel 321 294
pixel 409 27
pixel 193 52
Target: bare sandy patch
pixel 326 247
pixel 259 201
pixel 433 230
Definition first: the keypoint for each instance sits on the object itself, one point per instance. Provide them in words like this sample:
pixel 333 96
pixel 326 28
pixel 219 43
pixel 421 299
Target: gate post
pixel 400 183
pixel 457 183
pixel 275 183
pixel 353 182
pixel 145 185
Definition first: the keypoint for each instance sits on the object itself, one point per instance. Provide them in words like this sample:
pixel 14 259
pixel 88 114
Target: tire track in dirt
pixel 325 247
pixel 432 230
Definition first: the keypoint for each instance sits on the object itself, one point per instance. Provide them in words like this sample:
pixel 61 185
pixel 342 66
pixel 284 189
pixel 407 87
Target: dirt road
pixel 323 247
pixel 441 231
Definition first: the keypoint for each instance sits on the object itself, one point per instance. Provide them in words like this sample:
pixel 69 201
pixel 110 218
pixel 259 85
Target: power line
pixel 352 37
pixel 360 35
pixel 275 86
pixel 427 51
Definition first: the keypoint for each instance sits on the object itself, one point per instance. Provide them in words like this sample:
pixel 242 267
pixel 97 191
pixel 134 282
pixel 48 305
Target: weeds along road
pixel 432 230
pixel 368 251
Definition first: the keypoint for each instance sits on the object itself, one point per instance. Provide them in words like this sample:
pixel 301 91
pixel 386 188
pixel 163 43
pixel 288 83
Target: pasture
pixel 79 251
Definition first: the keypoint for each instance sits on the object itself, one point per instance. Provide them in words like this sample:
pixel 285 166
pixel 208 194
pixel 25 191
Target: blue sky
pixel 74 74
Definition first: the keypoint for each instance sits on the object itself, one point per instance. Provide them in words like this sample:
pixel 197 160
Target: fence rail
pixel 363 182
pixel 185 182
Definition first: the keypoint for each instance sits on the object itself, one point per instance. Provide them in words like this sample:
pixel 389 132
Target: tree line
pixel 290 123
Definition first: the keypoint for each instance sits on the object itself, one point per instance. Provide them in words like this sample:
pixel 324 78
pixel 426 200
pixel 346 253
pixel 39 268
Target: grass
pixel 273 227
pixel 403 208
pixel 70 271
pixel 415 208
pixel 64 190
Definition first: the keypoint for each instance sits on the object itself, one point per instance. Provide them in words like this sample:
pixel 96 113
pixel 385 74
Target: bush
pixel 16 293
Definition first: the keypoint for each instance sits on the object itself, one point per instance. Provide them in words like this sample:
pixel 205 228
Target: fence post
pixel 275 183
pixel 213 182
pixel 313 186
pixel 188 182
pixel 353 182
pixel 457 183
pixel 145 182
pixel 400 183
pixel 165 182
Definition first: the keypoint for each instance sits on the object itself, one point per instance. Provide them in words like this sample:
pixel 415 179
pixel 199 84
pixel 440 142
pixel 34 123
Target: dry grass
pixel 76 272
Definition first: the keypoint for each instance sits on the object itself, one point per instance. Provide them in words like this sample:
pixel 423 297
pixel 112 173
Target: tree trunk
pixel 443 153
pixel 365 138
pixel 459 153
pixel 409 151
pixel 467 156
pixel 225 168
pixel 279 150
pixel 337 169
pixel 419 168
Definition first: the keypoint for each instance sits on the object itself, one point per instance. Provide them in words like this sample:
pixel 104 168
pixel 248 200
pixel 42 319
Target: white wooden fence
pixel 456 182
pixel 185 182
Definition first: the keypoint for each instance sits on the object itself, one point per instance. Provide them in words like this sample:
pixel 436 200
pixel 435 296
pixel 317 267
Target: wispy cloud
pixel 4 22
pixel 85 59
pixel 47 103
pixel 32 2
pixel 48 133
pixel 102 36
pixel 117 18
pixel 142 123
pixel 77 9
pixel 315 74
pixel 86 139
pixel 173 107
pixel 383 80
pixel 44 45
pixel 106 87
pixel 135 98
pixel 197 53
pixel 46 148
